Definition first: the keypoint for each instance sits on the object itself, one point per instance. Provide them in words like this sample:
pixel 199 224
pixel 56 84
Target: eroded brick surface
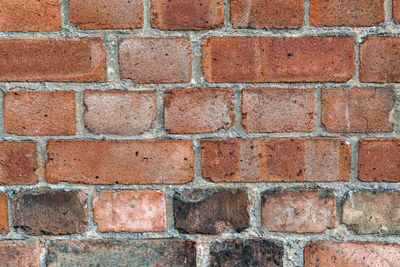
pixel 20 253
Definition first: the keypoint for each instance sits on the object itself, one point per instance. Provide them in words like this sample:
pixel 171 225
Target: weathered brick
pixel 299 211
pixel 106 14
pixel 30 15
pixel 124 162
pixel 187 15
pixel 278 110
pixel 247 252
pixel 121 113
pixel 372 212
pixel 198 110
pixel 18 163
pixel 49 212
pixel 351 254
pixel 267 59
pixel 347 13
pixel 20 253
pixel 211 212
pixel 396 11
pixel 53 60
pixel 3 215
pixel 276 160
pixel 380 59
pixel 379 160
pixel 40 113
pixel 155 60
pixel 358 109
pixel 130 211
pixel 260 14
pixel 168 252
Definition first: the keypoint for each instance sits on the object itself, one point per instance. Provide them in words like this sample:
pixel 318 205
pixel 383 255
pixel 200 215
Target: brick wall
pixel 199 132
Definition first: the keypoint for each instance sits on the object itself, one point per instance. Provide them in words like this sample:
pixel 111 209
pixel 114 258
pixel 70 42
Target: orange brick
pixel 3 214
pixel 187 15
pixel 260 14
pixel 198 110
pixel 276 160
pixel 106 14
pixel 278 110
pixel 21 253
pixel 267 59
pixel 130 211
pixel 30 15
pixel 124 162
pixel 40 113
pixel 120 112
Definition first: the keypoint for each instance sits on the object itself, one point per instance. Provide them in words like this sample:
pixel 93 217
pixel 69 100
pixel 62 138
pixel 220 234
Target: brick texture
pixel 198 110
pixel 130 211
pixel 276 160
pixel 266 59
pixel 123 162
pixel 3 214
pixel 21 253
pixel 396 11
pixel 187 15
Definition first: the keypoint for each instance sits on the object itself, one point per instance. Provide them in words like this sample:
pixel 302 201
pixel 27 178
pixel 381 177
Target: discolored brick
pixel 121 113
pixel 379 160
pixel 40 113
pixel 246 252
pixel 278 110
pixel 53 60
pixel 20 253
pixel 3 215
pixel 211 212
pixel 268 59
pixel 198 110
pixel 358 109
pixel 155 60
pixel 130 211
pixel 276 160
pixel 30 15
pixel 351 254
pixel 18 163
pixel 49 212
pixel 187 15
pixel 124 162
pixel 106 14
pixel 260 14
pixel 152 253
pixel 347 13
pixel 372 212
pixel 299 211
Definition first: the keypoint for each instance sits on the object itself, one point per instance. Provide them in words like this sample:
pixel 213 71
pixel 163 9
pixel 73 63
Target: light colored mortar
pixel 294 243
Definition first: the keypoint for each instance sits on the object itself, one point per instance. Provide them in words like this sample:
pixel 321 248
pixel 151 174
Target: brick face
pixel 21 253
pixel 3 214
pixel 266 59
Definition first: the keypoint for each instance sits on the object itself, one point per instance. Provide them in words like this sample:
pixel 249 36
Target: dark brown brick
pixel 211 212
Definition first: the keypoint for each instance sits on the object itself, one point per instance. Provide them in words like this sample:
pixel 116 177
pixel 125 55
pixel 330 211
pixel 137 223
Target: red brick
pixel 198 110
pixel 53 60
pixel 106 14
pixel 124 162
pixel 396 11
pixel 30 15
pixel 18 163
pixel 40 113
pixel 21 253
pixel 121 113
pixel 379 160
pixel 347 13
pixel 267 59
pixel 155 60
pixel 187 15
pixel 278 110
pixel 351 254
pixel 3 215
pixel 260 14
pixel 276 160
pixel 358 109
pixel 130 211
pixel 380 59
pixel 299 211
pixel 372 212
